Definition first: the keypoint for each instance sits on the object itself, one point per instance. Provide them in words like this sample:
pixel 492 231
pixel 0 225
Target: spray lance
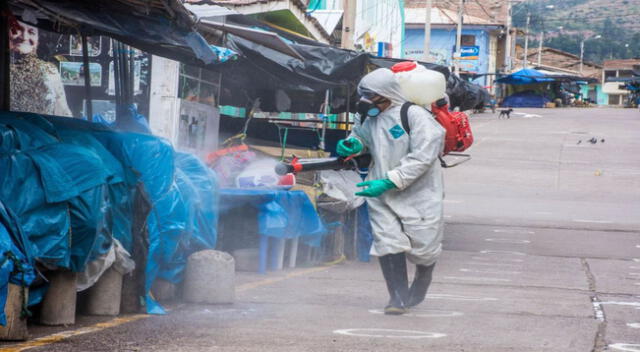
pixel 317 164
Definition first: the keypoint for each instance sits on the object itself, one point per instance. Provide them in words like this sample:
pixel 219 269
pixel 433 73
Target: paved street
pixel 542 253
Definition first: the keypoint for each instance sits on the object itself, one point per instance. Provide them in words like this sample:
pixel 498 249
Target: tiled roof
pixel 624 64
pixel 493 11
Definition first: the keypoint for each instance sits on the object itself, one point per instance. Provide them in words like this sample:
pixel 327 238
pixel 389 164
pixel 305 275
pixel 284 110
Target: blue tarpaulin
pixel 525 76
pixel 526 99
pixel 68 187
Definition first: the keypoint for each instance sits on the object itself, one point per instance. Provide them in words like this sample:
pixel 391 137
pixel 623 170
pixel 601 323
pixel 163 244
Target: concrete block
pixel 16 329
pixel 163 290
pixel 104 297
pixel 247 259
pixel 210 278
pixel 132 291
pixel 59 303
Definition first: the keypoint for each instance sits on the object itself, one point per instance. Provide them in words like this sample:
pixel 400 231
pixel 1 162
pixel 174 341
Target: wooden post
pixel 16 329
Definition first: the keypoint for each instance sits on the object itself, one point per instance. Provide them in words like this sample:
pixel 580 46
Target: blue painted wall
pixel 443 42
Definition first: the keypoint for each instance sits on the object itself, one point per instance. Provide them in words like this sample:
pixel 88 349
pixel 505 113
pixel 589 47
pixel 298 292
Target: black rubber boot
pixel 394 270
pixel 420 285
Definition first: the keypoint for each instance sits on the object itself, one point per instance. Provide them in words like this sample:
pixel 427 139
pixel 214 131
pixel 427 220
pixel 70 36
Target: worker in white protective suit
pixel 404 187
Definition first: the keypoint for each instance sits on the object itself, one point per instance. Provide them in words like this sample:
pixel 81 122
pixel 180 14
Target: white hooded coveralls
pixel 410 218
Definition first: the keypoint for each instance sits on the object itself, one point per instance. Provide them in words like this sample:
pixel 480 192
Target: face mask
pixel 367 108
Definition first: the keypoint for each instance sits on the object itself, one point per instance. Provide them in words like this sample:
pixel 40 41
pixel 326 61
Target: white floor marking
pixel 390 333
pixel 593 221
pixel 513 231
pixel 489 251
pixel 452 201
pixel 597 308
pixel 634 325
pixel 498 272
pixel 616 303
pixel 628 347
pixel 465 278
pixel 498 260
pixel 636 260
pixel 425 313
pixel 459 297
pixel 507 240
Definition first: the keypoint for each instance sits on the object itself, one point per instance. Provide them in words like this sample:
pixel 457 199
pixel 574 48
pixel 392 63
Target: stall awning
pixel 160 27
pixel 525 76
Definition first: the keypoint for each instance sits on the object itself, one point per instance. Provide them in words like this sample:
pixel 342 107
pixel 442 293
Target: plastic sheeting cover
pixel 281 214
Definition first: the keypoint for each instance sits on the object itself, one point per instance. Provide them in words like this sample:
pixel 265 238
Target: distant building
pixel 375 26
pixel 618 69
pixel 555 60
pixel 482 42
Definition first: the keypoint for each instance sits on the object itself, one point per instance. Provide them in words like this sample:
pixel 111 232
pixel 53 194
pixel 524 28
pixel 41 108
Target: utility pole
pixel 526 42
pixel 507 44
pixel 540 48
pixel 458 53
pixel 427 33
pixel 581 55
pixel 348 23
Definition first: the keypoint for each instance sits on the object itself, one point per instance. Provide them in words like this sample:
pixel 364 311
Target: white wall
pixel 378 21
pixel 163 100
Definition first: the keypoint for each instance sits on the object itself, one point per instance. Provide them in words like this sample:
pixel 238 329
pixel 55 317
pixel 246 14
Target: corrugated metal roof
pixel 440 16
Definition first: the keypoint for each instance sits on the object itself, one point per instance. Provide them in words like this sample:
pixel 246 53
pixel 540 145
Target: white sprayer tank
pixel 419 84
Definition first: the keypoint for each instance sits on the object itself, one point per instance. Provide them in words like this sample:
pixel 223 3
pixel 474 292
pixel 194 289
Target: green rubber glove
pixel 375 187
pixel 349 146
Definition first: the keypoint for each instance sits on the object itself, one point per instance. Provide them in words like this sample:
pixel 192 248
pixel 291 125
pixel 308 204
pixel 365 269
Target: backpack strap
pixel 404 116
pixel 404 119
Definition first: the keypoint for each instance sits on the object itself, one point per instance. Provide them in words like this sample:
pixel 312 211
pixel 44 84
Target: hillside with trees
pixel 566 23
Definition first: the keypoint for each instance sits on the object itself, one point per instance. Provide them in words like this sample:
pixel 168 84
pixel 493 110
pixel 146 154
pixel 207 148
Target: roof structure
pixel 560 61
pixel 414 15
pixel 491 11
pixel 622 64
pixel 254 7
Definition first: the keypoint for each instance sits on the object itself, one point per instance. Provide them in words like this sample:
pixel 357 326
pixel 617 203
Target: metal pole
pixel 5 61
pixel 540 48
pixel 325 112
pixel 459 38
pixel 581 55
pixel 87 78
pixel 348 23
pixel 507 44
pixel 526 42
pixel 427 32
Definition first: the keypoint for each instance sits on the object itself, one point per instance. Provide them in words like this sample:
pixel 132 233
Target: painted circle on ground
pixel 634 325
pixel 499 260
pixel 507 240
pixel 459 297
pixel 513 231
pixel 425 313
pixel 628 347
pixel 465 270
pixel 489 251
pixel 390 333
pixel 468 278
